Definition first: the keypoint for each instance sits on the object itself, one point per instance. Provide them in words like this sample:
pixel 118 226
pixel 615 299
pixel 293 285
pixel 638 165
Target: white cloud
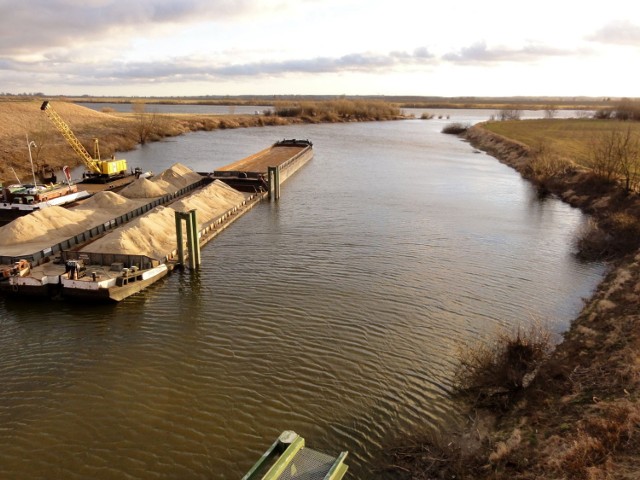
pixel 481 53
pixel 620 32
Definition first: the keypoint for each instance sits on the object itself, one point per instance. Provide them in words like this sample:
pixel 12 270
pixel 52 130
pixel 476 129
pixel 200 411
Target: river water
pixel 336 312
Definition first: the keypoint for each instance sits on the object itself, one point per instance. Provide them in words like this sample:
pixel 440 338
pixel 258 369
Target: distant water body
pixel 336 312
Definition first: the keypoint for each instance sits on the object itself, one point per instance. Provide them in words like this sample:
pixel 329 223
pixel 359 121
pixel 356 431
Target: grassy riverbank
pixel 120 132
pixel 572 139
pixel 579 416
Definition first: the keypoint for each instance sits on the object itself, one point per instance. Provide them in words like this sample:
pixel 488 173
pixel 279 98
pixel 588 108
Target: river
pixel 336 312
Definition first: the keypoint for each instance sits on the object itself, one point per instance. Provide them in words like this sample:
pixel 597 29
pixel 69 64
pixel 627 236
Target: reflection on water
pixel 335 313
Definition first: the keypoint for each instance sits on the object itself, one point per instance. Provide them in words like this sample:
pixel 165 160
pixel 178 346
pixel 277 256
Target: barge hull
pixel 114 294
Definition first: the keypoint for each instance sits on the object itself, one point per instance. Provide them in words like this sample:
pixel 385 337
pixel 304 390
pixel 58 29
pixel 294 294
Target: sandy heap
pixel 169 181
pixel 143 188
pixel 49 226
pixel 178 176
pixel 154 234
pixel 45 228
pixel 42 224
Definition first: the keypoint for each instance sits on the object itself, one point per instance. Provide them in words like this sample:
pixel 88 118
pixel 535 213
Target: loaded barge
pixel 102 263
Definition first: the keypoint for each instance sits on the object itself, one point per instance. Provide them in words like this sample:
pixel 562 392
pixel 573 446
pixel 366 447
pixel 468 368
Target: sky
pixel 320 47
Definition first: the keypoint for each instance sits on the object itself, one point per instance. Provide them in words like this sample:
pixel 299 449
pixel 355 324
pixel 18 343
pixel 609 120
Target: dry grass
pixel 491 375
pixel 18 119
pixel 569 138
pixel 336 110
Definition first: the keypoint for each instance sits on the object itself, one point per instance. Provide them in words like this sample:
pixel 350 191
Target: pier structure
pixel 289 458
pixel 193 245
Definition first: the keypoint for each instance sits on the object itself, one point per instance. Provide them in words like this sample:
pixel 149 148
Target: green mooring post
pixel 194 253
pixel 274 182
pixel 193 245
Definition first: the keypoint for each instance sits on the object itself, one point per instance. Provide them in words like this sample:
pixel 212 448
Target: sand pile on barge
pixel 39 226
pixel 178 176
pixel 143 188
pixel 45 228
pixel 169 181
pixel 154 234
pixel 106 200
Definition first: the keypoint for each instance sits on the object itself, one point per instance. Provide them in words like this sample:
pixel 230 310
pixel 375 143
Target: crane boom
pixel 102 170
pixel 70 137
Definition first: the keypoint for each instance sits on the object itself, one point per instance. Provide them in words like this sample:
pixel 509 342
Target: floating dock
pixel 288 459
pixel 122 255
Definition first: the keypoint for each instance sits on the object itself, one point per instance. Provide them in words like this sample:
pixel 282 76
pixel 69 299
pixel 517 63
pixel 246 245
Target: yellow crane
pixel 97 169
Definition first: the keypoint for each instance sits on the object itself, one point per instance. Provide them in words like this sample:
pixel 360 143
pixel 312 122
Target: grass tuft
pixel 492 375
pixel 456 128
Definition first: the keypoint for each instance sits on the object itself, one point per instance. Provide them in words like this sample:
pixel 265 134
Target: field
pixel 571 139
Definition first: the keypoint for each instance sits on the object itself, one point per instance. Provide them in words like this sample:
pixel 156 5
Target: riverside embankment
pixel 121 132
pixel 579 417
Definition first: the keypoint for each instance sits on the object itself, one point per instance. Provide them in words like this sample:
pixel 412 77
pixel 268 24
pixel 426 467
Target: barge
pixel 113 285
pixel 251 174
pixel 123 256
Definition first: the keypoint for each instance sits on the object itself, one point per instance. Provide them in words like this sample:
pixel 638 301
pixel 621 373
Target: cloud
pixel 26 27
pixel 194 69
pixel 354 62
pixel 621 32
pixel 480 53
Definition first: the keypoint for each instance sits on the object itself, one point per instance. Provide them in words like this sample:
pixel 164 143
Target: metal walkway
pixel 289 459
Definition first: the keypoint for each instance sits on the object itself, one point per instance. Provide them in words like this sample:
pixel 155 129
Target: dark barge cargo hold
pixel 251 174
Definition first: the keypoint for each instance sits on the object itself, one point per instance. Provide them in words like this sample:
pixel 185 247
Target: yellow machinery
pixel 97 170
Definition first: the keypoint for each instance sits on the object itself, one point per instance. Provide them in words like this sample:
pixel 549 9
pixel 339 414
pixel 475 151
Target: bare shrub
pixel 617 235
pixel 456 128
pixel 591 242
pixel 491 375
pixel 509 114
pixel 625 230
pixel 426 116
pixel 617 154
pixel 145 122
